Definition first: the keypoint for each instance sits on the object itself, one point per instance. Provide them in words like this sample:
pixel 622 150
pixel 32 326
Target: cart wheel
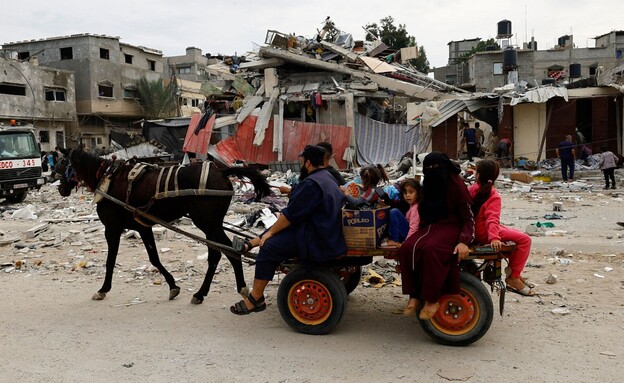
pixel 463 318
pixel 17 197
pixel 350 277
pixel 312 302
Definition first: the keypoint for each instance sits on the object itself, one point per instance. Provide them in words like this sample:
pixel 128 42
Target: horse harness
pixel 139 170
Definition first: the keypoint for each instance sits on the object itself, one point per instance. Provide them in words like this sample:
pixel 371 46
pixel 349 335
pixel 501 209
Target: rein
pixel 228 251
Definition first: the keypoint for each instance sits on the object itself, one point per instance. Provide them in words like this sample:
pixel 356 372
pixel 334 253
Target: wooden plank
pixel 340 50
pixel 35 231
pixel 271 80
pixel 265 116
pixel 225 121
pixel 262 63
pixel 249 106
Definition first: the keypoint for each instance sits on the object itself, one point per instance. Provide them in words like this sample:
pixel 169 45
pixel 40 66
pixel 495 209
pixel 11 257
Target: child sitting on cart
pixel 364 195
pixel 402 226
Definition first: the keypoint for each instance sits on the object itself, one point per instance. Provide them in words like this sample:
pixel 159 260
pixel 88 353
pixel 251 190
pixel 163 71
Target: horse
pixel 202 191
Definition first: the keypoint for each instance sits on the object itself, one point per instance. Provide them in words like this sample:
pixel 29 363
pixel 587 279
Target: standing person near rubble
pixel 309 228
pixel 608 164
pixel 329 154
pixel 486 207
pixel 470 139
pixel 429 258
pixel 566 151
pixel 480 139
pixel 503 152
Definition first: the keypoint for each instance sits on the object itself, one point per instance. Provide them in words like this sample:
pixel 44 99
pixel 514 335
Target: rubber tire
pixel 17 197
pixel 353 280
pixel 484 309
pixel 334 286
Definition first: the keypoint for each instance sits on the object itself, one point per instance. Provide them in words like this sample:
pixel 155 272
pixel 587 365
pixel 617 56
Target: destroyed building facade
pixel 106 73
pixel 33 95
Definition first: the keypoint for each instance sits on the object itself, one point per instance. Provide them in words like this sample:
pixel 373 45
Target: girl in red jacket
pixel 486 207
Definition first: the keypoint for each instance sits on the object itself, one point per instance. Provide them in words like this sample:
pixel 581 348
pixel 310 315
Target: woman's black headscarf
pixel 437 170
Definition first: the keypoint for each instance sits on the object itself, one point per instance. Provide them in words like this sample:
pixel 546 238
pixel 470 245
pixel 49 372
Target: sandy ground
pixel 51 330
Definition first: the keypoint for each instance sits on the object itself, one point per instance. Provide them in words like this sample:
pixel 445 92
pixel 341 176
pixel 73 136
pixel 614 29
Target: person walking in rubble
pixel 503 152
pixel 566 152
pixel 608 164
pixel 486 208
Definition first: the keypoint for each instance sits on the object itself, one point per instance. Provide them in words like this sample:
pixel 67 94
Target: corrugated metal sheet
pixel 198 143
pixel 296 136
pixel 540 95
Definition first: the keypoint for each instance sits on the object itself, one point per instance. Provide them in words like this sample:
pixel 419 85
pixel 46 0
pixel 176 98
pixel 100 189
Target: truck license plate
pixel 20 186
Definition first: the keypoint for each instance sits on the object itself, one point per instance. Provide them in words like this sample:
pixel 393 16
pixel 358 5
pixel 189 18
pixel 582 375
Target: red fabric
pixel 296 136
pixel 198 143
pixel 488 228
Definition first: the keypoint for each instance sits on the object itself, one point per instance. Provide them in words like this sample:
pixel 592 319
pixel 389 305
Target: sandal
pixel 240 308
pixel 531 285
pixel 410 310
pixel 242 245
pixel 525 291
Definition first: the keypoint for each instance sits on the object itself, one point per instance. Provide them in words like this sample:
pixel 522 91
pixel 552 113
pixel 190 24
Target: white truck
pixel 20 163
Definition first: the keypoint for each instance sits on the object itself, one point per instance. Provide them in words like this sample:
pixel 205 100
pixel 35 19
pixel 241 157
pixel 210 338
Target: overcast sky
pixel 237 26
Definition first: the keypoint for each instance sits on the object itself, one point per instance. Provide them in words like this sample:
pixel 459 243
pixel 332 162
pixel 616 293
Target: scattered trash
pixel 27 212
pixel 545 224
pixel 607 269
pixel 551 279
pixel 557 206
pixel 607 353
pixel 598 275
pixel 374 280
pixel 560 311
pixel 551 216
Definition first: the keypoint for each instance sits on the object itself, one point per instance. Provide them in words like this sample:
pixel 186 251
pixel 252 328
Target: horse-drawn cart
pixel 312 298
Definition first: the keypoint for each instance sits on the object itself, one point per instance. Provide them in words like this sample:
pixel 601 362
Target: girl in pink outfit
pixel 401 227
pixel 486 207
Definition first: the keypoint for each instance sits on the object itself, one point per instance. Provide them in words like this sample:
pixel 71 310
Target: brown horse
pixel 162 192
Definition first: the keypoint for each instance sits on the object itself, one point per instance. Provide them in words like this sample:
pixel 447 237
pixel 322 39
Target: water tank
pixel 510 58
pixel 562 41
pixel 504 28
pixel 490 48
pixel 575 70
pixel 548 81
pixel 532 45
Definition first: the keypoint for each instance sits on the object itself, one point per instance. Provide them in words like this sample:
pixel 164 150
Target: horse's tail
pixel 261 186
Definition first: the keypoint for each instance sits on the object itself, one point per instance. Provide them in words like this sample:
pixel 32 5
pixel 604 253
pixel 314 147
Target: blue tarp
pixel 380 143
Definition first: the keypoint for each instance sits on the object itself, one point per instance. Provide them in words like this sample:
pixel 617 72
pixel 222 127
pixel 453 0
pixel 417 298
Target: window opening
pixel 13 89
pixel 105 91
pixel 67 53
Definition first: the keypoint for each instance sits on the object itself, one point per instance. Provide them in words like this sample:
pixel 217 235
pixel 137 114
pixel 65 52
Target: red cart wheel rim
pixel 310 302
pixel 458 314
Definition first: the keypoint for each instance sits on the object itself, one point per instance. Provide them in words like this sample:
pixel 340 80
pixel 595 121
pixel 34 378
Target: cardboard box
pixel 364 229
pixel 521 177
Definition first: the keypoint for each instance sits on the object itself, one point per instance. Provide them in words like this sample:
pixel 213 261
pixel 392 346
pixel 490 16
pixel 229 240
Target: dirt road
pixel 53 332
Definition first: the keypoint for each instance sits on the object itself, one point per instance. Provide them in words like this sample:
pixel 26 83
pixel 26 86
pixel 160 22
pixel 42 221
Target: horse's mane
pixel 86 166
